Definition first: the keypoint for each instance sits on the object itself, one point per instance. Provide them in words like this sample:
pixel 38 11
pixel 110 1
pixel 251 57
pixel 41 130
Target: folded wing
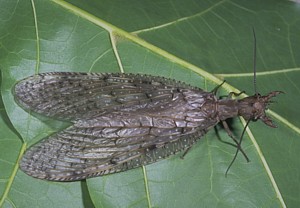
pixel 84 150
pixel 120 121
pixel 70 96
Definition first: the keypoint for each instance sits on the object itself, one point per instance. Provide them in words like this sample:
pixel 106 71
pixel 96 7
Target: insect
pixel 122 121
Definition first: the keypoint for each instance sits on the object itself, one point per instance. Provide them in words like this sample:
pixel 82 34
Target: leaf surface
pixel 200 43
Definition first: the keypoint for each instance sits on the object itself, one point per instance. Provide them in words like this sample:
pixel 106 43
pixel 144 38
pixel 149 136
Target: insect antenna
pixel 254 62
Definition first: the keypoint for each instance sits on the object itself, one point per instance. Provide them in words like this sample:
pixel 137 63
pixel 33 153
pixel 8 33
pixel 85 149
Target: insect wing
pixel 70 96
pixel 84 150
pixel 120 121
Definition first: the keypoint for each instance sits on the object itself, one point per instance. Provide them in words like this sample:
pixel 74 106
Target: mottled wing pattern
pixel 120 122
pixel 68 96
pixel 81 152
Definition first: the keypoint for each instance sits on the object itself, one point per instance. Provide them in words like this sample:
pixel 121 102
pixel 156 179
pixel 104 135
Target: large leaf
pixel 192 41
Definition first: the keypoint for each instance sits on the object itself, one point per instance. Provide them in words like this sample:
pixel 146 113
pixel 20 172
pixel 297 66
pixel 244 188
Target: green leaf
pixel 197 42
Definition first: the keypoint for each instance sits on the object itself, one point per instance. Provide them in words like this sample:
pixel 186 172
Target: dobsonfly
pixel 123 121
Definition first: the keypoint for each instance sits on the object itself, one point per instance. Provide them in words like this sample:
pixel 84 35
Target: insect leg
pixel 238 149
pixel 215 90
pixel 221 140
pixel 238 145
pixel 235 94
pixel 185 152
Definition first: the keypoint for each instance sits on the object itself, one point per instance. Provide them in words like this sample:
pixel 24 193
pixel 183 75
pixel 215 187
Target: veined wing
pixel 85 150
pixel 69 96
pixel 120 121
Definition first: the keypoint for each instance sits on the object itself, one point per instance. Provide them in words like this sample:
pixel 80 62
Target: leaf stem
pixel 146 186
pixel 37 66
